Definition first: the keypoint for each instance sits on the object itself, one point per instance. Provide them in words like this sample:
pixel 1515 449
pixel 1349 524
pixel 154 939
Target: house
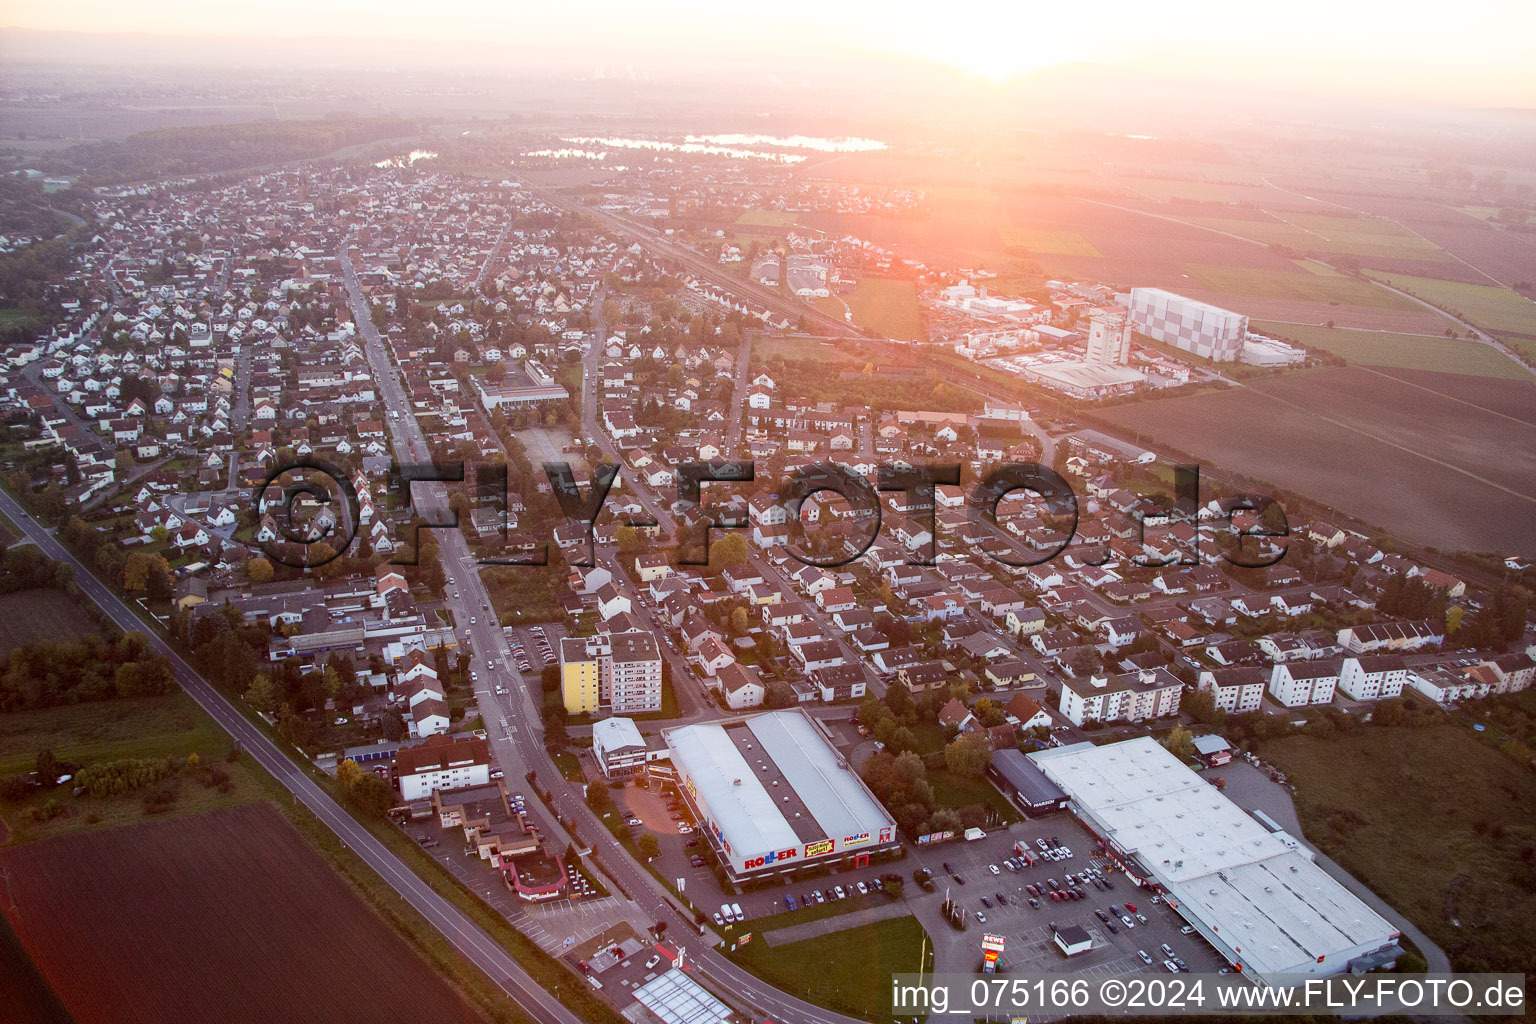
pixel 1304 683
pixel 611 602
pixel 1023 622
pixel 713 655
pixel 819 654
pixel 1026 713
pixel 1008 673
pixel 922 676
pixel 841 682
pixel 651 567
pixel 741 687
pixel 836 599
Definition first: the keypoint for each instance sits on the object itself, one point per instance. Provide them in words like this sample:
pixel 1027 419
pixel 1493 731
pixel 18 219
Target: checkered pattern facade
pixel 1196 327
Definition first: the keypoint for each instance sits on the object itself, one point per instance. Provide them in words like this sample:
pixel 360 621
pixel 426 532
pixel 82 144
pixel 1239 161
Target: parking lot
pixel 1028 929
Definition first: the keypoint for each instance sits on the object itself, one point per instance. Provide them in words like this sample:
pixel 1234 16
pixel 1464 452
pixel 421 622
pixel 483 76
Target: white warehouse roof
pixel 1259 892
pixel 773 782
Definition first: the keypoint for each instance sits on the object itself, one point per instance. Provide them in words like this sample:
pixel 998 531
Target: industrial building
pixel 772 794
pixel 1109 337
pixel 1257 896
pixel 1198 328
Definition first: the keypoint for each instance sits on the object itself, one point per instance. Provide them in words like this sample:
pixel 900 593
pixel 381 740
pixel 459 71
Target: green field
pixel 1437 822
pixel 1053 243
pixel 766 349
pixel 848 971
pixel 951 790
pixel 170 726
pixel 1301 285
pixel 1405 351
pixel 886 306
pixel 13 318
pixel 1489 307
pixel 767 218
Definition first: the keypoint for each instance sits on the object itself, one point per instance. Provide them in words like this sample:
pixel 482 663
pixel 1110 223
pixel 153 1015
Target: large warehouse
pixel 1256 895
pixel 1198 328
pixel 773 794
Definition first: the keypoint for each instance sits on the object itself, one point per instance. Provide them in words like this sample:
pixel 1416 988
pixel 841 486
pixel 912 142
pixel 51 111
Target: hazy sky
pixel 1477 51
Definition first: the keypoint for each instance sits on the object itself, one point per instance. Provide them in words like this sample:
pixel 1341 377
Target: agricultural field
pixel 1404 351
pixel 1420 456
pixel 1364 797
pixel 29 616
pixel 191 920
pixel 1300 283
pixel 848 971
pixel 1493 309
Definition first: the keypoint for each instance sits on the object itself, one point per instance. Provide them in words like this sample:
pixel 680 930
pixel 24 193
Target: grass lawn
pixel 886 306
pixel 1405 351
pixel 1051 243
pixel 766 349
pixel 767 218
pixel 13 317
pixel 32 616
pixel 847 971
pixel 951 790
pixel 1438 822
pixel 1300 285
pixel 1490 307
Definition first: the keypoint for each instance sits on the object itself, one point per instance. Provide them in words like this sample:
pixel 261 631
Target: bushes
pixel 114 778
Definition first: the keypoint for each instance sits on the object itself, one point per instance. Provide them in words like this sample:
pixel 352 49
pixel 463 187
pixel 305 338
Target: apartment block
pixel 1132 697
pixel 617 671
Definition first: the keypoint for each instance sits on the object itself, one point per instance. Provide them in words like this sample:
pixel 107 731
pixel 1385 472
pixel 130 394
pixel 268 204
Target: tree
pixel 728 550
pixel 739 620
pixel 260 694
pixel 47 766
pixel 393 726
pixel 258 570
pixel 909 769
pixel 628 538
pixel 347 775
pixel 969 754
pixel 648 845
pixel 1180 743
pixel 893 887
pixel 372 795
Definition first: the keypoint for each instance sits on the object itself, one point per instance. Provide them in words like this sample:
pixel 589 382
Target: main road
pixel 519 743
pixel 466 936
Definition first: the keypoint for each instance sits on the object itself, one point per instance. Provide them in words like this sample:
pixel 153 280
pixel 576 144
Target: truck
pixel 736 910
pixel 973 834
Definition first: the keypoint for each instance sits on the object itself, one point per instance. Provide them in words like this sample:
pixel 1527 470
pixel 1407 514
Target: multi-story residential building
pixel 441 763
pixel 1235 690
pixel 1298 684
pixel 1132 697
pixel 1390 636
pixel 619 671
pixel 1373 677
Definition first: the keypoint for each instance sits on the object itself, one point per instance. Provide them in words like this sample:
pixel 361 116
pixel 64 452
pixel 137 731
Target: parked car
pixel 1146 957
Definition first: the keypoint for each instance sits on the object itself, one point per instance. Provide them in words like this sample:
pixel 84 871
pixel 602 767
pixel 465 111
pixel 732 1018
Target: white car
pixel 1145 956
pixel 652 962
pixel 993 868
pixel 471 620
pixel 1127 921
